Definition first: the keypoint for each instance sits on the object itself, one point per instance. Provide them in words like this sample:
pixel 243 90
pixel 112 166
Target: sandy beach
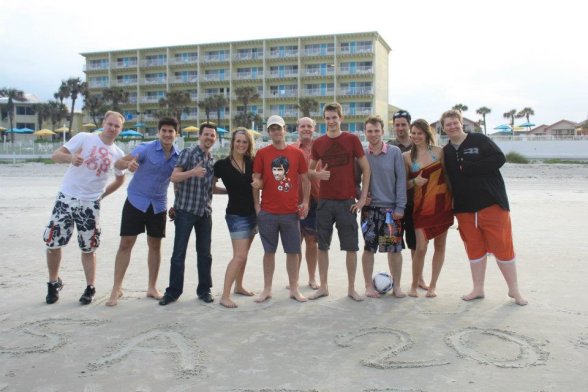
pixel 332 344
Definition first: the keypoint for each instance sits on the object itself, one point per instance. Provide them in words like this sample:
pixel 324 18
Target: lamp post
pixel 334 66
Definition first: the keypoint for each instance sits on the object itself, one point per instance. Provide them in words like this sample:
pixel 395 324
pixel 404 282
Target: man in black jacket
pixel 480 203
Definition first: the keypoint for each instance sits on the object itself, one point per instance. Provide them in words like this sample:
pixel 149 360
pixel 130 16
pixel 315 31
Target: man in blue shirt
pixel 193 178
pixel 145 208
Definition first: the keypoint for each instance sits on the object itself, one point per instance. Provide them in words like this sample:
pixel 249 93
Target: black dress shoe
pixel 166 299
pixel 206 297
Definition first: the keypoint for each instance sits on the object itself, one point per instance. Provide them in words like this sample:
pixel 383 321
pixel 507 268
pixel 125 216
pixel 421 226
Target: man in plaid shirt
pixel 193 177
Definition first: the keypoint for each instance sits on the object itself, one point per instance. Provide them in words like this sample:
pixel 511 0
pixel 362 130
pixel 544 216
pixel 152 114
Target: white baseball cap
pixel 275 120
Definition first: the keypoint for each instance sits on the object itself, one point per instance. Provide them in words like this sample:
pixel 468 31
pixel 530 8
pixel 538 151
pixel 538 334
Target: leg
pixel 323 265
pixel 121 263
pixel 311 252
pixel 53 262
pixel 351 263
pixel 438 260
pixel 367 263
pixel 235 270
pixel 418 262
pixel 153 263
pixel 269 265
pixel 89 264
pixel 292 268
pixel 509 271
pixel 395 265
pixel 203 227
pixel 184 222
pixel 242 253
pixel 478 269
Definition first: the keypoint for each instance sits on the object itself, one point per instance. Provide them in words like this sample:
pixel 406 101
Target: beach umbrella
pixel 21 131
pixel 527 125
pixel 130 133
pixel 191 128
pixel 254 133
pixel 2 129
pixel 44 132
pixel 89 126
pixel 62 129
pixel 503 127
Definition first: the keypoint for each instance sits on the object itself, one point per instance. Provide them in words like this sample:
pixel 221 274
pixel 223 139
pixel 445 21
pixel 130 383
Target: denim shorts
pixel 241 227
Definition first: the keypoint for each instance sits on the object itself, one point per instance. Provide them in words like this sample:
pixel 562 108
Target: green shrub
pixel 515 157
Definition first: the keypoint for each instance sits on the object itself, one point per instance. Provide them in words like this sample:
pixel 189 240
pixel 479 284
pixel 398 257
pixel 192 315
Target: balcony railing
pixel 248 76
pixel 152 81
pixel 244 56
pixel 154 63
pixel 282 55
pixel 125 64
pixel 150 99
pixel 95 67
pixel 98 83
pixel 184 79
pixel 125 82
pixel 318 92
pixel 283 74
pixel 184 60
pixel 282 94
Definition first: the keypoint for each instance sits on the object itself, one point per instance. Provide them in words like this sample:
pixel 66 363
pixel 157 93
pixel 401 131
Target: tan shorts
pixel 487 231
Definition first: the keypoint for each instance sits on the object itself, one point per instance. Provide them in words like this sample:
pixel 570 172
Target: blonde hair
pixel 452 113
pixel 113 113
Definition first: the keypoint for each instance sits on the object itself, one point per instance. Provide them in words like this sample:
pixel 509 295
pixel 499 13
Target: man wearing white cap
pixel 283 170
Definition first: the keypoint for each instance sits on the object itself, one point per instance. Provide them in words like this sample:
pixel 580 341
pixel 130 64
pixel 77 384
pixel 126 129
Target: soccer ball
pixel 383 282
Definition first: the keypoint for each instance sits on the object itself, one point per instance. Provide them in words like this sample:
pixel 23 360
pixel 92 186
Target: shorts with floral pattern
pixel 67 212
pixel 380 231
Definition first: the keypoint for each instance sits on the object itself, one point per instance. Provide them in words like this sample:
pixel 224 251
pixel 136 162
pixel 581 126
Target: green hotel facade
pixel 351 69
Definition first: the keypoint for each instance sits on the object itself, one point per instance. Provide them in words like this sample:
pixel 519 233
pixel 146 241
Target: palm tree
pixel 62 92
pixel 13 95
pixel 461 107
pixel 207 105
pixel 510 115
pixel 526 113
pixel 93 103
pixel 58 111
pixel 76 86
pixel 245 95
pixel 483 111
pixel 116 96
pixel 307 105
pixel 175 102
pixel 219 102
pixel 43 113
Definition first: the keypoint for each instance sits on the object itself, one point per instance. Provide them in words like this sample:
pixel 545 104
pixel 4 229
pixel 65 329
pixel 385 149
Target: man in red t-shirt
pixel 283 170
pixel 338 151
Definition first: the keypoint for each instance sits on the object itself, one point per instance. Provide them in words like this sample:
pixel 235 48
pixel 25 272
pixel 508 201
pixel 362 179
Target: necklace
pixel 241 168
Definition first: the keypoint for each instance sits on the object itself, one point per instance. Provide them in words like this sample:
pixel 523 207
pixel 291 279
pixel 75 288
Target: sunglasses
pixel 401 114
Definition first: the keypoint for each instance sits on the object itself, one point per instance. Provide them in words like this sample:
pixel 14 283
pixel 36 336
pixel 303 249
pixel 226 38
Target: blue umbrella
pixel 130 132
pixel 221 130
pixel 20 131
pixel 503 127
pixel 139 125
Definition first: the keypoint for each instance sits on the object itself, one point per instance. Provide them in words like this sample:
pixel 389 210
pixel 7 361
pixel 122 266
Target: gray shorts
pixel 338 212
pixel 286 226
pixel 67 212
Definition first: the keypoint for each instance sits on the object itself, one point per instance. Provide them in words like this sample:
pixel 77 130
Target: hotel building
pixel 351 69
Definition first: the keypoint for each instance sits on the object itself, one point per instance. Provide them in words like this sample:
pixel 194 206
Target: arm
pixel 63 155
pixel 365 183
pixel 305 194
pixel 256 177
pixel 217 190
pixel 490 159
pixel 179 175
pixel 400 170
pixel 127 162
pixel 113 186
pixel 321 173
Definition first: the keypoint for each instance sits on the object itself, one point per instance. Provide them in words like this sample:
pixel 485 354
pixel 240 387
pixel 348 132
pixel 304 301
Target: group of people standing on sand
pixel 408 189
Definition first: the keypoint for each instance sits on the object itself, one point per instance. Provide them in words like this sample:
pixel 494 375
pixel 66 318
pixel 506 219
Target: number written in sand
pixel 386 357
pixel 496 347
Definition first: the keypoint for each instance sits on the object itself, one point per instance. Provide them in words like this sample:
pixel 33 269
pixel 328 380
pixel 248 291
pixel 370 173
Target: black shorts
pixel 134 222
pixel 408 226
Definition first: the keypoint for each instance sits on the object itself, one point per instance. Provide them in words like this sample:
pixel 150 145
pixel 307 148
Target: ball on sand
pixel 383 282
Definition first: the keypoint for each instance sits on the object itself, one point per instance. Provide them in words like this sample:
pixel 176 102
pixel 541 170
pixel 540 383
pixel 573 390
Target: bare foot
pixel 354 296
pixel 413 292
pixel 398 293
pixel 295 294
pixel 227 303
pixel 319 293
pixel 113 301
pixel 423 285
pixel 312 284
pixel 519 300
pixel 154 293
pixel 243 291
pixel 431 293
pixel 472 296
pixel 371 293
pixel 264 296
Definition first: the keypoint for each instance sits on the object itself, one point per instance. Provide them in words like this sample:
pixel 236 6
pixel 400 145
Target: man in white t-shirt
pixel 91 158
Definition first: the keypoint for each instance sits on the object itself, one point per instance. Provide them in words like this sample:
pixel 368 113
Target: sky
pixel 500 54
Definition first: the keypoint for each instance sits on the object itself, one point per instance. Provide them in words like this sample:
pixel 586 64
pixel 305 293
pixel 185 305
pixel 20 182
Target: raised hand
pixel 419 180
pixel 133 164
pixel 199 170
pixel 323 174
pixel 77 159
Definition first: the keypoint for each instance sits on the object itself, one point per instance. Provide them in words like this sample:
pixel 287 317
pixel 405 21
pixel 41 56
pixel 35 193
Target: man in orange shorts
pixel 480 203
